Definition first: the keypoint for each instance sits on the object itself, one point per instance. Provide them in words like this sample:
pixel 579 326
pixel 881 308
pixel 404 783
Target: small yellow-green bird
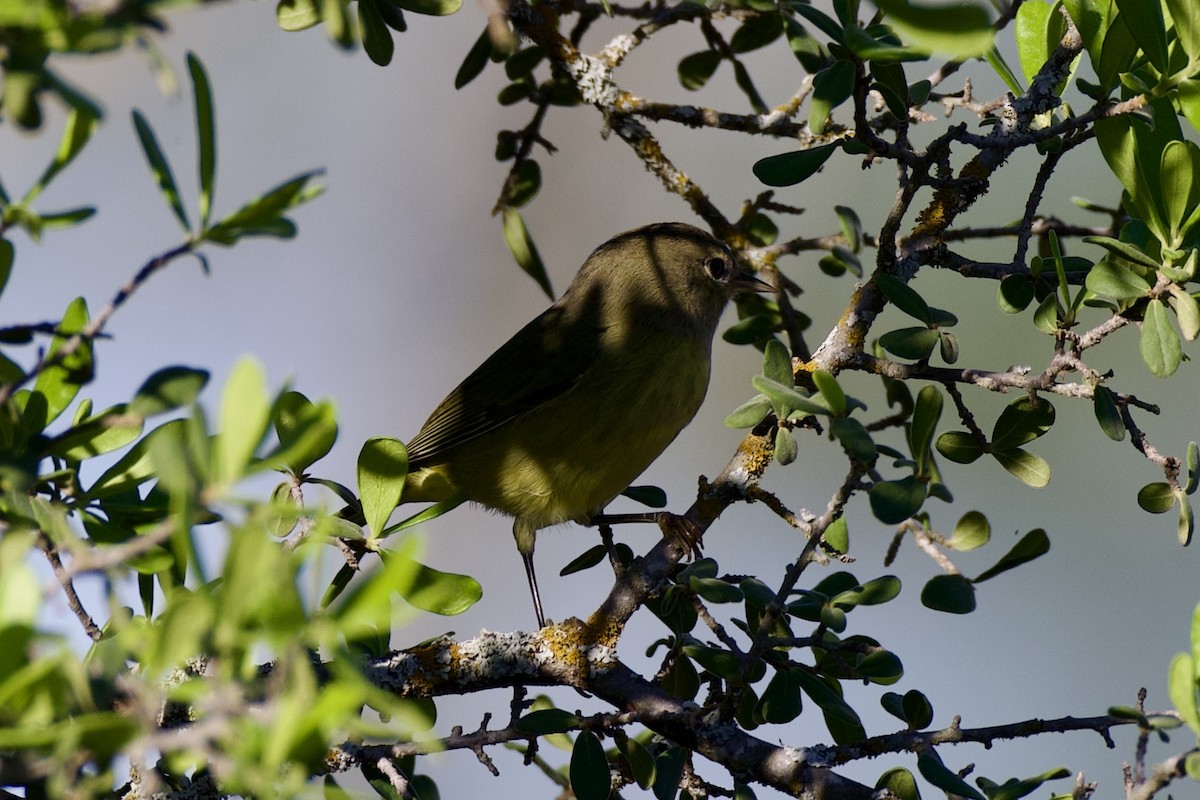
pixel 570 410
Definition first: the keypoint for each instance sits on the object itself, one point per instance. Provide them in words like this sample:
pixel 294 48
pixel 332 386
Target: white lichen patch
pixel 594 79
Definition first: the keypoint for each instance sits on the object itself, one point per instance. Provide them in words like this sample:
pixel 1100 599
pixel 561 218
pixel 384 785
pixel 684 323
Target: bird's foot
pixel 683 530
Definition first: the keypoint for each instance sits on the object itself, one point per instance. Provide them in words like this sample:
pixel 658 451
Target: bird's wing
pixel 543 360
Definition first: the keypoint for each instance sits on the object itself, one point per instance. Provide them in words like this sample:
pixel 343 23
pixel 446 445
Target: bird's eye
pixel 717 268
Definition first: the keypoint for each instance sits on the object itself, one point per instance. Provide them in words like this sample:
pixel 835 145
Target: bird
pixel 579 402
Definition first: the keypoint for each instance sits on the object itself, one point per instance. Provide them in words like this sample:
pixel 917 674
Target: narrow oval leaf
pixel 382 467
pixel 590 779
pixel 548 720
pixel 520 244
pixel 1022 421
pixel 1032 470
pixel 432 590
pixel 168 389
pixel 1108 279
pixel 959 30
pixel 932 769
pixel 960 447
pixel 1159 344
pixel 1104 404
pixel 245 413
pixel 788 169
pixel 911 343
pixel 1034 544
pixel 160 169
pixel 206 136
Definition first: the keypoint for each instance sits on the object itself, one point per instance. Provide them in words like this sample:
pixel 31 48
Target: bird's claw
pixel 683 530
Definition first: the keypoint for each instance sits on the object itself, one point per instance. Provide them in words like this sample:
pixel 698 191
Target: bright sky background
pixel 400 283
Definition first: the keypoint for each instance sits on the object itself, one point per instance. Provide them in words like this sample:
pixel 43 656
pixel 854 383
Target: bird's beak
pixel 747 282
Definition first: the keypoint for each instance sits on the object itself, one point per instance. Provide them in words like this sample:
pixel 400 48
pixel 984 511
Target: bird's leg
pixel 526 535
pixel 673 526
pixel 533 588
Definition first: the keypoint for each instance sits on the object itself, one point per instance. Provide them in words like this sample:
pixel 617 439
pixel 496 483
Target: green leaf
pixel 1030 469
pixel 1034 544
pixel 832 393
pixel 306 431
pixel 851 227
pixel 528 182
pixel 926 413
pixel 7 255
pixel 585 560
pixel 1015 294
pixel 1181 688
pixel 892 502
pixel 960 447
pixel 958 30
pixel 477 58
pixel 168 389
pixel 78 130
pixel 516 235
pixel 780 701
pixel 788 169
pixel 1125 250
pixel 750 413
pixel 590 779
pixel 715 590
pixel 843 721
pixel 429 589
pixel 297 15
pixel 696 69
pixel 786 448
pixel 854 438
pixel 436 8
pixel 1109 279
pixel 786 399
pixel 206 136
pixel 874 592
pixel 1187 521
pixel 756 32
pixel 953 594
pixel 1187 27
pixel 971 531
pixel 376 37
pixel 1179 165
pixel 899 782
pixel 548 720
pixel 641 762
pixel 1187 312
pixel 259 216
pixel 110 429
pixel 904 297
pixel 58 384
pixel 1107 414
pixel 1159 344
pixel 1145 21
pixel 135 467
pixel 820 19
pixel 911 343
pixel 1022 421
pixel 832 86
pixel 1157 498
pixel 1035 40
pixel 652 496
pixel 245 413
pixel 382 467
